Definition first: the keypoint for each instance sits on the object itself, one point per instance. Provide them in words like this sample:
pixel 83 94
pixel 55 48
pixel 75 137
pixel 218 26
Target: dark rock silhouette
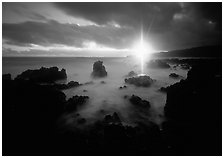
pixel 158 64
pixel 99 69
pixel 71 84
pixel 112 118
pixel 140 81
pixel 75 102
pixel 123 87
pixel 138 102
pixel 193 109
pixel 43 75
pixel 6 77
pixel 174 75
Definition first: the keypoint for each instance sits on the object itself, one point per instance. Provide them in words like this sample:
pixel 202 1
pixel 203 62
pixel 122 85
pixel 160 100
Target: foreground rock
pixel 140 81
pixel 6 77
pixel 137 101
pixel 43 75
pixel 158 64
pixel 75 102
pixel 99 69
pixel 193 108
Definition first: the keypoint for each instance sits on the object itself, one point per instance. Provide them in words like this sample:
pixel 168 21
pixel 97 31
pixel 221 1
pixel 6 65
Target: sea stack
pixel 99 69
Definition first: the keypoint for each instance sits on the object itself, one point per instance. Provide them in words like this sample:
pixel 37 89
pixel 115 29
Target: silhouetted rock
pixel 174 75
pixel 74 102
pixel 123 87
pixel 137 101
pixel 6 77
pixel 102 82
pixel 141 81
pixel 43 75
pixel 71 84
pixel 99 69
pixel 193 108
pixel 112 118
pixel 158 64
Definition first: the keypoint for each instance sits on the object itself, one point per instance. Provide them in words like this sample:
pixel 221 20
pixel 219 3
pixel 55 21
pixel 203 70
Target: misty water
pixel 105 98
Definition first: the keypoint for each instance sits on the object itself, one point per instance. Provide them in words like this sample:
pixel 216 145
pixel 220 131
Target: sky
pixel 106 29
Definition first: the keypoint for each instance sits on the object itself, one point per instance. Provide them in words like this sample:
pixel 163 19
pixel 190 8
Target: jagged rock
pixel 6 77
pixel 74 102
pixel 112 118
pixel 71 84
pixel 43 75
pixel 99 69
pixel 137 101
pixel 158 64
pixel 141 81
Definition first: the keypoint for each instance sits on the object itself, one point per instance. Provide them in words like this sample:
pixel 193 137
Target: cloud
pixel 52 32
pixel 167 26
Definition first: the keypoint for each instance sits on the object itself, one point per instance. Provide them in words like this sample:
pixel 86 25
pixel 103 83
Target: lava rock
pixel 43 75
pixel 137 101
pixel 140 81
pixel 74 102
pixel 99 69
pixel 112 118
pixel 6 77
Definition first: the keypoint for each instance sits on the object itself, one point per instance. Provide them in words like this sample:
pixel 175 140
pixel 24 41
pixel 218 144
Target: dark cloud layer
pixel 168 26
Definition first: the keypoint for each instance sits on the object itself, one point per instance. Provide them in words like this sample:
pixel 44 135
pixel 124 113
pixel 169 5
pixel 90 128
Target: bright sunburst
pixel 142 50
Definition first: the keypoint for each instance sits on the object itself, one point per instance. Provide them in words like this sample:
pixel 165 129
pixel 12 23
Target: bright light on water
pixel 142 50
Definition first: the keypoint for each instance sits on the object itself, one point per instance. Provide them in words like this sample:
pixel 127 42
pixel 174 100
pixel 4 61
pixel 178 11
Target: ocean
pixel 104 97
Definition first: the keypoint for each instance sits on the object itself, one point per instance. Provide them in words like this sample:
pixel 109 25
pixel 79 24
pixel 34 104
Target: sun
pixel 142 50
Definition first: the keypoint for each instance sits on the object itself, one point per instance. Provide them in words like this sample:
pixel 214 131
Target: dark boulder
pixel 140 81
pixel 131 74
pixel 99 69
pixel 138 102
pixel 43 75
pixel 75 102
pixel 6 77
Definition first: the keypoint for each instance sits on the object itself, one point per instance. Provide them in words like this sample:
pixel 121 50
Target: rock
pixel 193 110
pixel 158 64
pixel 137 101
pixel 6 77
pixel 140 81
pixel 84 90
pixel 99 69
pixel 174 75
pixel 103 82
pixel 112 118
pixel 88 83
pixel 71 84
pixel 74 102
pixel 43 75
